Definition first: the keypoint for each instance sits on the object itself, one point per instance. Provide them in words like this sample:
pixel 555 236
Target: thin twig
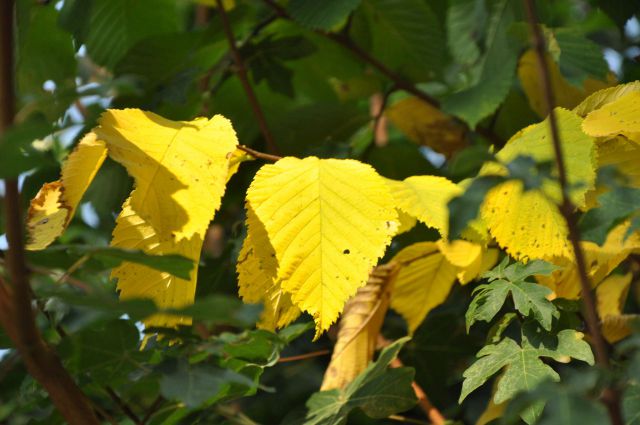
pixel 611 397
pixel 429 409
pixel 16 314
pixel 407 420
pixel 244 80
pixel 304 356
pixel 124 407
pixel 153 409
pixel 401 83
pixel 259 155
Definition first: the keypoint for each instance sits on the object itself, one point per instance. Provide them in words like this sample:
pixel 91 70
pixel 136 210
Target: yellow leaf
pixel 528 224
pixel 257 282
pixel 566 94
pixel 427 125
pixel 616 328
pixel 601 261
pixel 406 222
pixel 54 206
pixel 180 168
pixel 425 198
pixel 359 328
pixel 328 222
pixel 466 256
pixel 603 97
pixel 423 282
pixel 138 281
pixel 612 294
pixel 622 116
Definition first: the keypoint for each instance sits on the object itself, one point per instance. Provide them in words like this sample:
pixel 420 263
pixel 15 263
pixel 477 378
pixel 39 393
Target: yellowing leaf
pixel 427 125
pixel 328 222
pixel 470 258
pixel 601 261
pixel 603 97
pixel 257 282
pixel 423 282
pixel 406 222
pixel 622 116
pixel 528 224
pixel 566 94
pixel 180 168
pixel 616 328
pixel 359 328
pixel 425 198
pixel 138 281
pixel 612 294
pixel 54 206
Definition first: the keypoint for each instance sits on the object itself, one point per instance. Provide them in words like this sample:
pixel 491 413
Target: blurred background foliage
pixel 321 72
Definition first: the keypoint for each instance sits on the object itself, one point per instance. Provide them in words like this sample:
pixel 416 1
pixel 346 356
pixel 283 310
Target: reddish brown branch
pixel 432 412
pixel 244 80
pixel 16 313
pixel 304 356
pixel 260 155
pixel 611 397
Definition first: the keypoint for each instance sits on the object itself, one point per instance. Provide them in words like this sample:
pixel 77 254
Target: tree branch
pixel 398 80
pixel 429 409
pixel 260 155
pixel 16 314
pixel 611 397
pixel 244 80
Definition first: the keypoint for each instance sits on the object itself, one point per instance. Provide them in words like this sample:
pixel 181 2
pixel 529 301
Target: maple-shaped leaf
pixel 55 204
pixel 529 298
pixel 425 198
pixel 359 328
pixel 523 367
pixel 528 224
pixel 327 222
pixel 379 392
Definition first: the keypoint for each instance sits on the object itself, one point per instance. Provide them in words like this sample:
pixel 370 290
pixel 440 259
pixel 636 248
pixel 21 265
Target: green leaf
pixel 197 384
pixel 325 15
pixel 45 52
pixel 631 405
pixel 107 351
pixel 528 298
pixel 580 58
pixel 615 206
pixel 110 257
pixel 407 36
pixel 115 26
pixel 619 10
pixel 465 19
pixel 17 153
pixel 497 72
pixel 524 369
pixel 378 391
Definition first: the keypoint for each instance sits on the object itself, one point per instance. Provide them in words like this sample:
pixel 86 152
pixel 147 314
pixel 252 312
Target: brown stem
pixel 304 356
pixel 244 80
pixel 124 407
pixel 152 409
pixel 432 412
pixel 398 80
pixel 16 314
pixel 611 397
pixel 260 155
